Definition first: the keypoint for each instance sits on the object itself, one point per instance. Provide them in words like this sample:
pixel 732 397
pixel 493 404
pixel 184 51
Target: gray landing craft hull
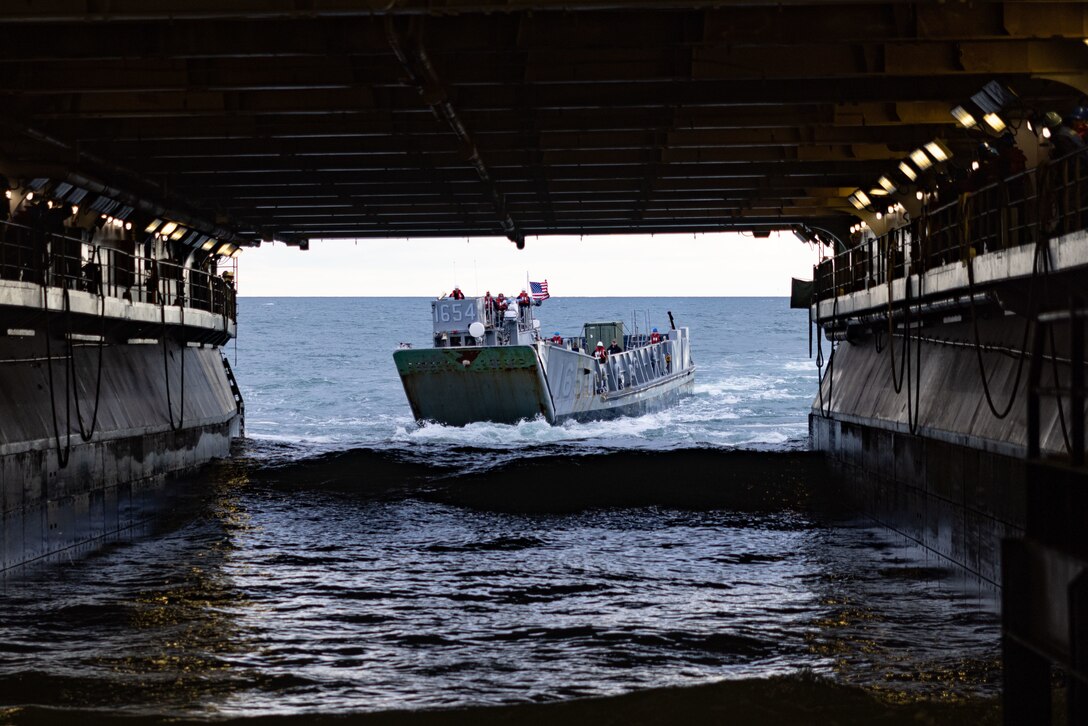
pixel 506 384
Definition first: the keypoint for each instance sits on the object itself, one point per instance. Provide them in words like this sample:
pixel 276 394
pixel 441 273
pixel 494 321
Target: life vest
pixel 523 299
pixel 557 339
pixel 655 338
pixel 601 354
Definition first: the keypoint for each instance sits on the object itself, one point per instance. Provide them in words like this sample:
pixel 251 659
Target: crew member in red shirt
pixel 557 339
pixel 655 337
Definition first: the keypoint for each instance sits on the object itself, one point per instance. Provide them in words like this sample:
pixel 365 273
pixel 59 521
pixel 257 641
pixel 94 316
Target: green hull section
pixel 456 386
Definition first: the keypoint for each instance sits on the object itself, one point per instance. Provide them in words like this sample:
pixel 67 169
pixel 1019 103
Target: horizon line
pixel 554 297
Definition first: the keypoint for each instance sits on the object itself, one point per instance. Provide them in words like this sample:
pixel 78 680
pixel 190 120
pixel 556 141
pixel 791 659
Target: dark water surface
pixel 350 561
pixel 313 587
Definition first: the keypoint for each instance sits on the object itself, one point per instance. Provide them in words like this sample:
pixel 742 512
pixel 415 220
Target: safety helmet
pixel 1052 120
pixel 600 344
pixel 557 332
pixel 655 330
pixel 1080 113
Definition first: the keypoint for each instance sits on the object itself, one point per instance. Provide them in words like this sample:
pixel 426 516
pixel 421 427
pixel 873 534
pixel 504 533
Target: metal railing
pixel 55 260
pixel 636 367
pixel 1048 201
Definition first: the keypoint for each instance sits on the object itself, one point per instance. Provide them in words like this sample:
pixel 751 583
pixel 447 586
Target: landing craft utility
pixel 490 363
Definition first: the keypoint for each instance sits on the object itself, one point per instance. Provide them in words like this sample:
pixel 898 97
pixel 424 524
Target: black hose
pixel 1005 410
pixel 830 360
pixel 166 365
pixel 84 432
pixel 1057 387
pixel 897 382
pixel 63 453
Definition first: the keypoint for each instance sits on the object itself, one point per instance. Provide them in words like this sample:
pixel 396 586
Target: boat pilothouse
pixel 476 321
pixel 491 363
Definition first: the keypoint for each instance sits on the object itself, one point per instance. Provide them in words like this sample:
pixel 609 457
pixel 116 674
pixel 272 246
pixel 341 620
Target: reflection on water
pixel 315 586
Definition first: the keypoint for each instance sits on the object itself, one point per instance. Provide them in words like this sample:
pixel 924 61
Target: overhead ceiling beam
pixel 930 21
pixel 408 47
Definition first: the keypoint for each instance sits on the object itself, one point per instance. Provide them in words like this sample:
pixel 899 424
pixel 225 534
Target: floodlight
pixel 993 97
pixel 938 150
pixel 908 170
pixel 861 196
pixel 923 162
pixel 170 227
pixel 994 122
pixel 964 116
pixel 886 183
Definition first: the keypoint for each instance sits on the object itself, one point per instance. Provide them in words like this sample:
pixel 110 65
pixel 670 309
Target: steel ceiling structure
pixel 307 119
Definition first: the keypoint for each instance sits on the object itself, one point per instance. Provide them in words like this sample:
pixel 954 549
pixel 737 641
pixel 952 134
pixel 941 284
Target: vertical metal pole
pixel 1076 396
pixel 1026 689
pixel 1078 651
pixel 1034 443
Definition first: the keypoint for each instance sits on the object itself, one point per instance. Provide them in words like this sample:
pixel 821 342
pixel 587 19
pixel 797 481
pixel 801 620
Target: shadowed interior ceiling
pixel 336 118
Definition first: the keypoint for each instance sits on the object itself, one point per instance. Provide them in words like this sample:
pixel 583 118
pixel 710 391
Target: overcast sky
pixel 723 264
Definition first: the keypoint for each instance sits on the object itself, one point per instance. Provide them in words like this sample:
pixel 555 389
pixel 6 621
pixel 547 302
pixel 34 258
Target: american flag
pixel 539 290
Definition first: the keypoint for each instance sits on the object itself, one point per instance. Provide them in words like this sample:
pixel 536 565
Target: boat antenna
pixel 671 321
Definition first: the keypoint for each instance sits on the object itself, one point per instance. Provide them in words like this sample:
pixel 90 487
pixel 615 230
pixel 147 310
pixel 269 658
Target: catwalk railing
pixel 55 260
pixel 1045 202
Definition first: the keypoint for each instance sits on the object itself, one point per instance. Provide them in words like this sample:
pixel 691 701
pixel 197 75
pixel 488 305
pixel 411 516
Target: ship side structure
pixel 490 364
pixel 951 348
pixel 113 314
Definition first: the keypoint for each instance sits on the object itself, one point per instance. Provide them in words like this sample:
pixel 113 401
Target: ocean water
pixel 347 560
pixel 318 375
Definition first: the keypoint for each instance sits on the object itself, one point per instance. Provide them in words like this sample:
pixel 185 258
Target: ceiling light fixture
pixel 994 122
pixel 938 150
pixel 918 156
pixel 963 116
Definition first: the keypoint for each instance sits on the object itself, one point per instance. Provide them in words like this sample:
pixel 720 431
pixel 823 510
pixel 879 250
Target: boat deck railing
pixel 630 342
pixel 637 366
pixel 54 260
pixel 1048 201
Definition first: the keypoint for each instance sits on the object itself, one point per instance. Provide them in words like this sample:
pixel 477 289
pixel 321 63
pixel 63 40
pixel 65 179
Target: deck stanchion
pixel 1076 396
